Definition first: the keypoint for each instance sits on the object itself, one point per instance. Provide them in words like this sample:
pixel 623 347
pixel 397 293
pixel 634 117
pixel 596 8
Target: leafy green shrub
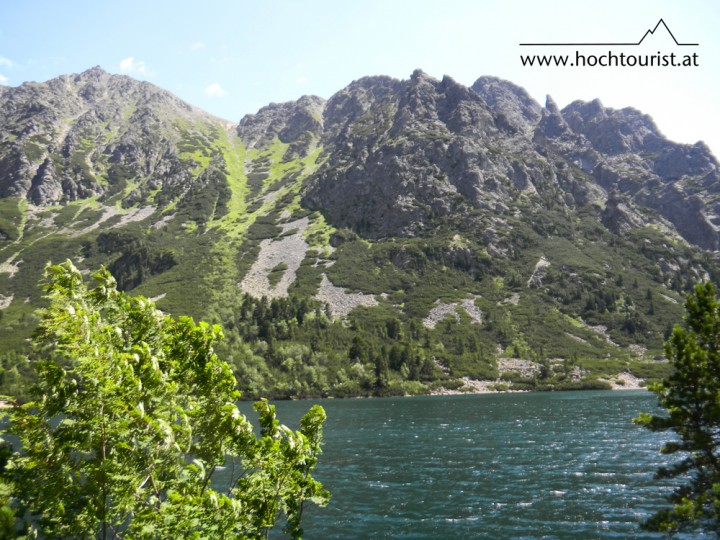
pixel 133 415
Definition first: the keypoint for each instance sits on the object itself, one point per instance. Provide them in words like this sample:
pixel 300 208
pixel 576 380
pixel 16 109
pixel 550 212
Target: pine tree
pixel 691 397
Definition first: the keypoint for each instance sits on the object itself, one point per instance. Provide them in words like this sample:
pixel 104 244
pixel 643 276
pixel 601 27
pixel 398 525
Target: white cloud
pixel 130 65
pixel 302 79
pixel 215 90
pixel 3 80
pixel 197 46
pixel 6 62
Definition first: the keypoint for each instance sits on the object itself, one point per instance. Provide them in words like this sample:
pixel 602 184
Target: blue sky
pixel 232 57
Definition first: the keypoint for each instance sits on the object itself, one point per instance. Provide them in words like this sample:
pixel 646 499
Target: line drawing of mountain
pixel 652 32
pixel 648 32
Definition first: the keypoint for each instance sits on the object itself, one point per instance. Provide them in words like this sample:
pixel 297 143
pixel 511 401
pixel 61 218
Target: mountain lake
pixel 563 465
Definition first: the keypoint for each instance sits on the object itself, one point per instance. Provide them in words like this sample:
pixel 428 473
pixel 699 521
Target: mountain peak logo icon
pixel 649 32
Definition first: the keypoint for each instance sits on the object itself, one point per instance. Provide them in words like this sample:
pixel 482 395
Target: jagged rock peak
pixel 613 131
pixel 550 105
pixel 375 85
pixel 511 101
pixel 457 91
pixel 420 76
pixel 95 86
pixel 446 86
pixel 94 72
pixel 447 83
pixel 595 112
pixel 287 121
pixel 552 124
pixel 701 146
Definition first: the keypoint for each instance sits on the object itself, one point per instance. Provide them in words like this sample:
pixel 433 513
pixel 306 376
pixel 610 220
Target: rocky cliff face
pixel 512 104
pixel 401 153
pixel 86 135
pixel 624 152
pixel 297 123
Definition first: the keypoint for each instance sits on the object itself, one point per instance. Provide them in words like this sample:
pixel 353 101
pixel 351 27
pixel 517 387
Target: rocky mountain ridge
pixel 80 136
pixel 468 137
pixel 563 238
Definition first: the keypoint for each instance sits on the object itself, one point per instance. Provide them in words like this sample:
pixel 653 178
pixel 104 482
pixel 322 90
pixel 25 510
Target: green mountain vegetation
pixel 402 237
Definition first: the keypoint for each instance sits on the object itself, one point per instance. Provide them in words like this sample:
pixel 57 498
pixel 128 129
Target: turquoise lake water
pixel 566 465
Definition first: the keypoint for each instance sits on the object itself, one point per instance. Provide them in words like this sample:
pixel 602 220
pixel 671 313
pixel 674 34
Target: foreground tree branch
pixel 133 412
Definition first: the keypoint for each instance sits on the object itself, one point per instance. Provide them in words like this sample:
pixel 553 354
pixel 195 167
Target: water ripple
pixel 552 466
